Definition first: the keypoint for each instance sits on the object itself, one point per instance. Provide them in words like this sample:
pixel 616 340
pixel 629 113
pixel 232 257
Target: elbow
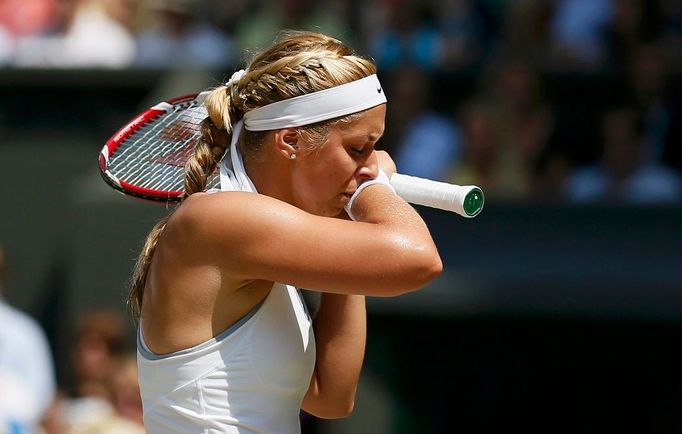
pixel 345 411
pixel 431 269
pixel 423 268
pixel 335 402
pixel 338 411
pixel 330 406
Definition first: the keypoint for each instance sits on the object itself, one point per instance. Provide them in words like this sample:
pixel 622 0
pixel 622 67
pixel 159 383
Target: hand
pixel 386 163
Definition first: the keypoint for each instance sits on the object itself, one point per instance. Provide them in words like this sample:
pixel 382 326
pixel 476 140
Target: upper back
pixel 189 297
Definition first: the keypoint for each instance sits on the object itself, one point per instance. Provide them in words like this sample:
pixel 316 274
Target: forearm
pixel 340 336
pixel 403 233
pixel 378 204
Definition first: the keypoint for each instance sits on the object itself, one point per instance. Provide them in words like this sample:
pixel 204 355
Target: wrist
pixel 381 179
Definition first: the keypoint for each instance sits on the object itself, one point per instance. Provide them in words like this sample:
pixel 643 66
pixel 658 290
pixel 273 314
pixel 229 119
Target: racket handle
pixel 465 200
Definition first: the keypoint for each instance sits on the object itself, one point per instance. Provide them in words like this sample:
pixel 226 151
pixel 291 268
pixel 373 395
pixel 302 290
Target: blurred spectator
pixel 120 413
pixel 27 17
pixel 125 389
pixel 623 174
pixel 99 341
pixel 626 31
pixel 428 143
pixel 227 15
pixel 525 28
pixel 24 18
pixel 479 161
pixel 407 33
pixel 506 129
pixel 260 24
pixel 96 33
pixel 671 31
pixel 525 117
pixel 578 33
pixel 463 26
pixel 183 38
pixel 27 384
pixel 105 396
pixel 660 110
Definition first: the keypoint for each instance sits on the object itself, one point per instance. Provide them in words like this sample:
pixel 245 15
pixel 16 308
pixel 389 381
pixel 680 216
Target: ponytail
pixel 215 137
pixel 142 268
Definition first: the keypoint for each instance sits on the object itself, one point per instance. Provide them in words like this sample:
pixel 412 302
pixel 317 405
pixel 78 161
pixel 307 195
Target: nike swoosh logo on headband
pixel 317 106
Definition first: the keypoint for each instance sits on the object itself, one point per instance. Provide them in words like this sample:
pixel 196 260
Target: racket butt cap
pixel 473 202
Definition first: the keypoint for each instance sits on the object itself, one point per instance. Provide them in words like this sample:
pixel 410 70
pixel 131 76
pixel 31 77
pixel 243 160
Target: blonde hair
pixel 296 64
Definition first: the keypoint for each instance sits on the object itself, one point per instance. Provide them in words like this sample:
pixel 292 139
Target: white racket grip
pixel 436 194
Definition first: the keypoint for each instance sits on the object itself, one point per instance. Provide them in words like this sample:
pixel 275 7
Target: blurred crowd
pixel 96 392
pixel 503 130
pixel 480 92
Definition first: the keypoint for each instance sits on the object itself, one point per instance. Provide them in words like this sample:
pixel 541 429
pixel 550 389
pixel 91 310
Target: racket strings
pixel 154 155
pixel 138 153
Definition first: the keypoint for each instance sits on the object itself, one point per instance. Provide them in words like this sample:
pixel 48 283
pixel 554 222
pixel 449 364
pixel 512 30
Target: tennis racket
pixel 146 159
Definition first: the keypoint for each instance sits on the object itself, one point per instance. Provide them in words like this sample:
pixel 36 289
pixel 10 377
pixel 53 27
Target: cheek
pixel 319 188
pixel 333 170
pixel 325 182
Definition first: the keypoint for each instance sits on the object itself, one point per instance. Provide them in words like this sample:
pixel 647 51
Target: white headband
pixel 301 110
pixel 318 106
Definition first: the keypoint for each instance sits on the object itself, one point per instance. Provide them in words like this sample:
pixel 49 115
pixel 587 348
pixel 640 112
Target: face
pixel 325 177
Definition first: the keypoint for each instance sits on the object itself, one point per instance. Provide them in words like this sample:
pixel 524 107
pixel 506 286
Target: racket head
pixel 146 157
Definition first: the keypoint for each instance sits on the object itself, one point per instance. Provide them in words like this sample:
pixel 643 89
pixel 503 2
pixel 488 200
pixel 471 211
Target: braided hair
pixel 297 63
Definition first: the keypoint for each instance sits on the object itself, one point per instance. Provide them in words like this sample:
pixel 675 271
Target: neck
pixel 270 178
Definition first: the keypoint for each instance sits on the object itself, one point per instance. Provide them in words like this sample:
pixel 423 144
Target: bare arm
pixel 340 334
pixel 257 237
pixel 387 252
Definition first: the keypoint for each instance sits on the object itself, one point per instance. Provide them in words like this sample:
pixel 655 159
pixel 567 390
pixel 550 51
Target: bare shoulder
pixel 200 245
pixel 229 213
pixel 217 223
pixel 204 205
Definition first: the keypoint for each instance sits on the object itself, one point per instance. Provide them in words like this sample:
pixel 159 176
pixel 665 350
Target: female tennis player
pixel 226 344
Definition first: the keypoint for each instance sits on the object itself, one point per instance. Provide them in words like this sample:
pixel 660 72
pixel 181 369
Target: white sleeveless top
pixel 251 378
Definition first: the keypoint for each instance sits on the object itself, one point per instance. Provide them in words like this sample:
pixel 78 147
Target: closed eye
pixel 366 149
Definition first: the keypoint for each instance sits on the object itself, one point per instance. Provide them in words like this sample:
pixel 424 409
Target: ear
pixel 286 142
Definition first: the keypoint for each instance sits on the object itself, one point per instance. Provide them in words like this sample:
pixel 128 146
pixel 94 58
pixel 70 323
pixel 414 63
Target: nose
pixel 369 169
